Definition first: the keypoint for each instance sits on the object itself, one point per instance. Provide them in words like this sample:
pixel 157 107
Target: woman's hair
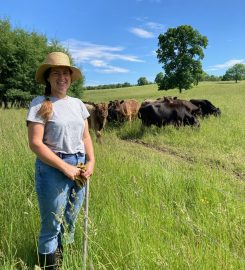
pixel 46 109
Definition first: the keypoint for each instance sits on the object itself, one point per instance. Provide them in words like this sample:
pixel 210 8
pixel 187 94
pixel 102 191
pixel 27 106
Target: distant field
pixel 204 89
pixel 160 198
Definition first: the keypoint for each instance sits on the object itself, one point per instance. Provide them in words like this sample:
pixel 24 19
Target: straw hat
pixel 57 59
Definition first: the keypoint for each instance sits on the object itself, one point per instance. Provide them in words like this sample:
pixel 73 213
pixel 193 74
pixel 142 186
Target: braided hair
pixel 46 109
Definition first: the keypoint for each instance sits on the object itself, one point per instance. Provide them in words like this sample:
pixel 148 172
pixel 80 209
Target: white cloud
pixel 105 68
pixel 155 26
pixel 147 29
pixel 141 32
pixel 98 63
pixel 113 69
pixel 227 64
pixel 86 51
pixel 99 56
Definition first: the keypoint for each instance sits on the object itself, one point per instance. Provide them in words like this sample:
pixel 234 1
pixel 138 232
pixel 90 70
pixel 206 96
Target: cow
pixel 112 113
pixel 193 109
pixel 206 107
pixel 163 113
pixel 124 110
pixel 98 117
pixel 158 100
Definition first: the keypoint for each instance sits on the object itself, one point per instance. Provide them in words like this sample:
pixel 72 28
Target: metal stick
pixel 85 232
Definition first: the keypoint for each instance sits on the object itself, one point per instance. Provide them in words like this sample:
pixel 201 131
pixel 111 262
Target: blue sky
pixel 114 41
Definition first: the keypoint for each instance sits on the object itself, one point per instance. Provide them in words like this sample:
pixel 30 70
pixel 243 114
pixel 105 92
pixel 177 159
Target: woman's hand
pixel 71 171
pixel 89 169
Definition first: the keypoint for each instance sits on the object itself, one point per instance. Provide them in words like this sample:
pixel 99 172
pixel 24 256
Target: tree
pixel 159 78
pixel 142 81
pixel 237 72
pixel 180 51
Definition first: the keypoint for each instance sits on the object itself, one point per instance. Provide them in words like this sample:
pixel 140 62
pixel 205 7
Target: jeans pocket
pixel 81 159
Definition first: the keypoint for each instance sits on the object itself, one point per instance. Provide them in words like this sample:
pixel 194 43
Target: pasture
pixel 161 198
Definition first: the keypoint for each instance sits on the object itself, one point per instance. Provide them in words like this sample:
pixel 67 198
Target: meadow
pixel 160 198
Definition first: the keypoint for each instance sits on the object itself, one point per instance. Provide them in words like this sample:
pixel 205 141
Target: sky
pixel 115 41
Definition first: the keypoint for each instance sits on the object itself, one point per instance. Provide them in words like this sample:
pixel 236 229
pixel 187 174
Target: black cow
pixel 191 108
pixel 206 107
pixel 161 114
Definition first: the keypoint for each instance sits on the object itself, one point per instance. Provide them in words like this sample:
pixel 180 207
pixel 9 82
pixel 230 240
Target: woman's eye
pixel 55 73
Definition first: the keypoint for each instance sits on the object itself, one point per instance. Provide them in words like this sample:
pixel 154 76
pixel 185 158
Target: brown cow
pixel 97 120
pixel 124 110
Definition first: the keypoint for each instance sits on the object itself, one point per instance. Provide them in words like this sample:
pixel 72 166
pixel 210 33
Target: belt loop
pixel 60 155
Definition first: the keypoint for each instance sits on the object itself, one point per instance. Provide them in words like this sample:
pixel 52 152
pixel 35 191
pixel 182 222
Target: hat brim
pixel 75 75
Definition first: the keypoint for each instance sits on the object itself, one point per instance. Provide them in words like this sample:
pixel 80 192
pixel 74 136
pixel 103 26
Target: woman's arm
pixel 35 137
pixel 89 149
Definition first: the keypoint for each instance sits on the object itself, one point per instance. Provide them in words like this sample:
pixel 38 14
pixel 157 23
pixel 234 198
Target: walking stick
pixel 85 232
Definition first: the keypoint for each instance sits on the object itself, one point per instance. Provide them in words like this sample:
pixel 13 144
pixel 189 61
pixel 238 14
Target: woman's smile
pixel 60 81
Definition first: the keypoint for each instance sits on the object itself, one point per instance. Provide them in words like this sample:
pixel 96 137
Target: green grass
pixel 160 198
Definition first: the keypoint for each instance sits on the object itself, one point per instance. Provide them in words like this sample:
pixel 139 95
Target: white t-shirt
pixel 64 131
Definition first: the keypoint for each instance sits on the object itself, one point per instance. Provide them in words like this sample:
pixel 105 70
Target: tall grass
pixel 160 198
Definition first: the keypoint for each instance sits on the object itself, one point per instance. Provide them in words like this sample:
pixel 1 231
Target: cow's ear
pixel 175 98
pixel 121 101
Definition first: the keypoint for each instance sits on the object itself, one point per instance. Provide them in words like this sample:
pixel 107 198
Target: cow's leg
pixel 98 136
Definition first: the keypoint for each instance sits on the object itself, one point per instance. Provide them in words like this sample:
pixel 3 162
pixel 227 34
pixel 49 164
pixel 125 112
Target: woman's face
pixel 60 80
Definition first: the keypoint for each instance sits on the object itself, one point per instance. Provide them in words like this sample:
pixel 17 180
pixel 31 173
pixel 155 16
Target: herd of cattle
pixel 160 112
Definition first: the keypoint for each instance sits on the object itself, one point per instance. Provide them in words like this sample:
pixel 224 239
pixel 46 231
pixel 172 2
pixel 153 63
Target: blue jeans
pixel 60 200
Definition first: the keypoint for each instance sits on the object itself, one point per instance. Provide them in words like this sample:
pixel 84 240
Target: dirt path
pixel 184 156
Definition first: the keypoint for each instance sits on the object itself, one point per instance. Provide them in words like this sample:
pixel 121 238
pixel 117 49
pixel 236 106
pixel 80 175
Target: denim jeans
pixel 60 200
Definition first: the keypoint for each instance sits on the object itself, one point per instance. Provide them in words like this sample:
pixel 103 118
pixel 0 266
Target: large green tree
pixel 142 81
pixel 236 73
pixel 180 51
pixel 159 78
pixel 21 53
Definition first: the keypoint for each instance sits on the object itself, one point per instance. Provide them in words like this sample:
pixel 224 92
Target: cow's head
pixel 217 112
pixel 101 111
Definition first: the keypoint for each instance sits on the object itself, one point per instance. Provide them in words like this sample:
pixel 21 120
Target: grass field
pixel 160 198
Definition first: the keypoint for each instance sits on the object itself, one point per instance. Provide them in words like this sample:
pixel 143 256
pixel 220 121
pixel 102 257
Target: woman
pixel 59 136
